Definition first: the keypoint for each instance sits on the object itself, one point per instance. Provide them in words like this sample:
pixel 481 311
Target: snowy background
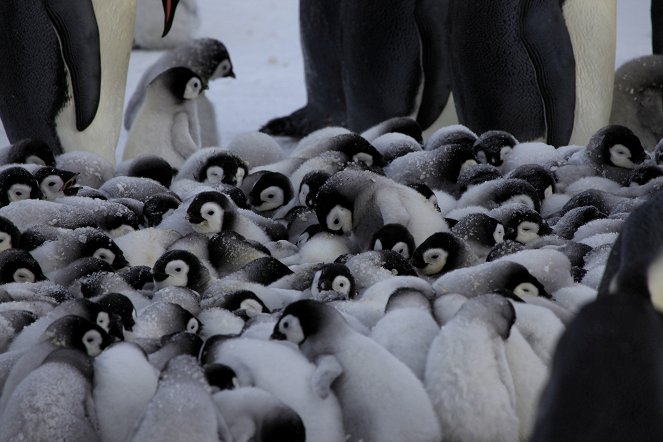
pixel 262 37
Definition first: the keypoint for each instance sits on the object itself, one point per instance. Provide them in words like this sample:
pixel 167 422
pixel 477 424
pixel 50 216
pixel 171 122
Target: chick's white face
pixel 504 152
pixel 92 341
pixel 620 156
pixel 498 234
pixel 193 88
pixel 402 249
pixel 5 241
pixel 34 159
pixel 468 164
pixel 51 187
pixel 339 218
pixel 18 192
pixel 527 232
pixel 526 289
pixel 251 307
pixel 435 260
pixel 341 284
pixel 272 198
pixel 303 194
pixel 178 274
pixel 222 70
pixel 214 175
pixel 239 176
pixel 104 255
pixel 193 326
pixel 24 275
pixel 363 157
pixel 212 214
pixel 291 328
pixel 103 320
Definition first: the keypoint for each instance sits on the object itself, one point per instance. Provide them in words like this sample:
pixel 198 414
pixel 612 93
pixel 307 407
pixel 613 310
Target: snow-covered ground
pixel 262 37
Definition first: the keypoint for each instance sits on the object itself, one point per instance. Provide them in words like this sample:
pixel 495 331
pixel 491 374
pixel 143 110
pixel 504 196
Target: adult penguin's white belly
pixel 592 27
pixel 115 20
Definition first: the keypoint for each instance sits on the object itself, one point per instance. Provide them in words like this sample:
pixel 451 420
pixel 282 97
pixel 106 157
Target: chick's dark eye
pixel 210 212
pixel 286 325
pixel 336 221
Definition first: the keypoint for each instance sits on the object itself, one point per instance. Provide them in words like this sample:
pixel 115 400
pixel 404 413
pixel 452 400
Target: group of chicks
pixel 373 286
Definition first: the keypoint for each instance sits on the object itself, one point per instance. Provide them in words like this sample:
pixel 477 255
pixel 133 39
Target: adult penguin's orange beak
pixel 169 7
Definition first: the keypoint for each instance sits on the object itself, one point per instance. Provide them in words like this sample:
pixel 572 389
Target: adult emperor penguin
pixel 362 374
pixel 346 43
pixel 548 63
pixel 64 69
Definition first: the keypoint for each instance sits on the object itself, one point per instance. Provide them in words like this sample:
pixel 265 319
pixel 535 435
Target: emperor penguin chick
pixel 182 407
pixel 362 374
pixel 167 123
pixel 467 373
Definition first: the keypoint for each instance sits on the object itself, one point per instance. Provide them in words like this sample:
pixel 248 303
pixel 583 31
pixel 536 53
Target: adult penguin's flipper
pixel 548 44
pixel 76 25
pixel 431 17
pixel 656 13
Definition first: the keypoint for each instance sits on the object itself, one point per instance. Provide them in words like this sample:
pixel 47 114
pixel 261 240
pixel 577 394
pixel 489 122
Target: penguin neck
pixel 592 28
pixel 115 20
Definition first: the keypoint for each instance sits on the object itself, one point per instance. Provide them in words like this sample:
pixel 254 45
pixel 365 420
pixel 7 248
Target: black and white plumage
pixel 181 269
pixel 147 166
pixel 362 202
pixel 17 265
pixel 394 237
pixel 10 236
pixel 214 165
pixel 212 212
pixel 54 183
pixel 228 251
pixel 493 146
pixel 521 223
pixel 612 152
pixel 27 151
pixel 488 277
pixel 480 231
pixel 167 123
pixel 17 184
pixel 209 59
pixel 267 191
pixel 324 336
pixel 467 368
pixel 79 243
pixel 161 319
pixel 579 375
pixel 439 168
pixel 441 253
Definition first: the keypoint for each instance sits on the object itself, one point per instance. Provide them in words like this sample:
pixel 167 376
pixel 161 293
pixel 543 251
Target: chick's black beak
pixel 169 7
pixel 194 219
pixel 277 335
pixel 159 276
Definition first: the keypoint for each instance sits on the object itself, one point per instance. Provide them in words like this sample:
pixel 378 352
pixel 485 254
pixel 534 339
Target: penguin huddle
pixel 339 289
